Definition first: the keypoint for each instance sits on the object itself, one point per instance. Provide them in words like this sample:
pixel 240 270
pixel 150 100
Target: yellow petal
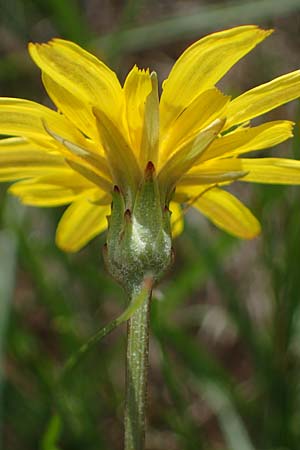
pixel 202 65
pixel 52 190
pixel 136 89
pixel 257 170
pixel 20 158
pixel 150 136
pixel 244 140
pixel 205 108
pixel 190 194
pixel 80 73
pixel 77 110
pixel 122 161
pixel 93 176
pixel 177 221
pixel 94 161
pixel 80 223
pixel 214 171
pixel 216 175
pixel 187 155
pixel 271 170
pixel 50 130
pixel 228 213
pixel 264 98
pixel 20 117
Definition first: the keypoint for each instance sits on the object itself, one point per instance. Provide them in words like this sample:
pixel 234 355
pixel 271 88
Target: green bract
pixel 139 239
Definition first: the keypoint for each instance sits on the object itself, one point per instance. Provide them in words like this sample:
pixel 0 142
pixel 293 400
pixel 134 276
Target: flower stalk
pixel 137 253
pixel 136 376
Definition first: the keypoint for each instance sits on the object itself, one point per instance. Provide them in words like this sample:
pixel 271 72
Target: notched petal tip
pixel 267 31
pixel 57 40
pixel 136 70
pixel 50 43
pixel 35 47
pixel 292 127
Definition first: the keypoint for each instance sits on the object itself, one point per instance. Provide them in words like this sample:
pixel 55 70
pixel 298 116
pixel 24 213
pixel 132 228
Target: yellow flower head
pixel 104 135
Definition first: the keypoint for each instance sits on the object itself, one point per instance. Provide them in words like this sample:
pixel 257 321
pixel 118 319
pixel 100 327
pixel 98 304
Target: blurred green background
pixel 225 343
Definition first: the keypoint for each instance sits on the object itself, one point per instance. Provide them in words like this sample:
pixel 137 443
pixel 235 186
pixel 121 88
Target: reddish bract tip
pixel 127 215
pixel 116 189
pixel 149 171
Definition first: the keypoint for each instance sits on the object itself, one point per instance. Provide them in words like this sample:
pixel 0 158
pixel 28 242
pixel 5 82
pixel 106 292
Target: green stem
pixel 136 376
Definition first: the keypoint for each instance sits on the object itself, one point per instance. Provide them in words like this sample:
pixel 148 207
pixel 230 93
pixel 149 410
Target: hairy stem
pixel 136 376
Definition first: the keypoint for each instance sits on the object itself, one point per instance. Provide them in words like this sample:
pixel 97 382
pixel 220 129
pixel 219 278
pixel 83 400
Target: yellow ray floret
pixel 82 221
pixel 228 213
pixel 106 136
